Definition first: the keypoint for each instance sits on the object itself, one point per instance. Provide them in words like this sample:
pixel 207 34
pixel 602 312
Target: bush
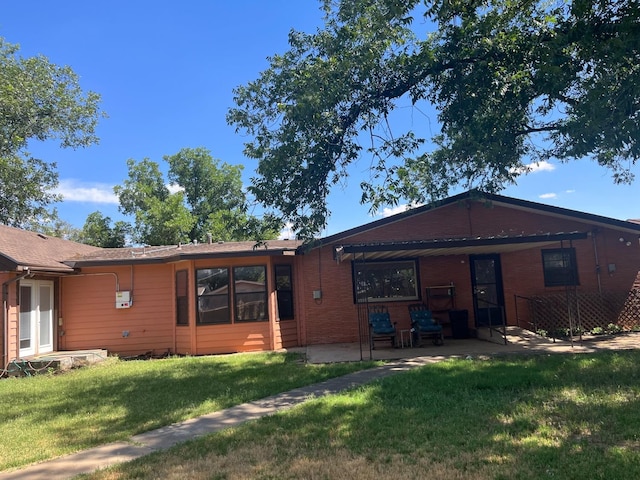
pixel 542 332
pixel 613 328
pixel 560 333
pixel 597 331
pixel 578 331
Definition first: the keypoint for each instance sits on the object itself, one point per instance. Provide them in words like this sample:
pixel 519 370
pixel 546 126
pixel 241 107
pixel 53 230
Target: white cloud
pixel 287 232
pixel 175 188
pixel 543 166
pixel 548 195
pixel 73 191
pixel 535 167
pixel 389 211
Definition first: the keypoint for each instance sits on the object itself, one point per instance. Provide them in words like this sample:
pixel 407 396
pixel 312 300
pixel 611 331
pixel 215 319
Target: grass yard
pixel 50 415
pixel 534 417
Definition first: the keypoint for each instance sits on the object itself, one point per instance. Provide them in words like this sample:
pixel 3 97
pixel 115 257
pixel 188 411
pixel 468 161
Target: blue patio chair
pixel 424 325
pixel 380 326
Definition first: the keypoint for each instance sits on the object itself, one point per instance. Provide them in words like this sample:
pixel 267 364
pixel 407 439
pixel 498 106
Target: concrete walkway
pixel 403 359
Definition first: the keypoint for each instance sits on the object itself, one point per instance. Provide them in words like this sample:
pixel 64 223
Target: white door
pixel 36 317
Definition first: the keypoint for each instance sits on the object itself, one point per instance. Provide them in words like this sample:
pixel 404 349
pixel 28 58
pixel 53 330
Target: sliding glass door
pixel 36 317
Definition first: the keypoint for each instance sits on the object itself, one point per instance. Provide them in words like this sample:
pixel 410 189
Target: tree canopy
pixel 38 101
pixel 512 81
pixel 99 232
pixel 206 198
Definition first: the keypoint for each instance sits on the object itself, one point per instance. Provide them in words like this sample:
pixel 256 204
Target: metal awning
pixel 451 246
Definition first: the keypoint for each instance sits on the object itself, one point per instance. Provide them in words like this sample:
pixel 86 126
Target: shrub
pixel 613 328
pixel 578 331
pixel 560 333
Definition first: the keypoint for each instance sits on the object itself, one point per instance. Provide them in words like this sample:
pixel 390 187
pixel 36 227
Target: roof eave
pixel 140 260
pixel 461 246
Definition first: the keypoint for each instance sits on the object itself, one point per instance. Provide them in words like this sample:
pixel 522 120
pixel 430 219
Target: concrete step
pixel 55 361
pixel 514 335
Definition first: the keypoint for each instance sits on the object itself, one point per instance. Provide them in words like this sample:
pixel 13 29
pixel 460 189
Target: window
pixel 182 297
pixel 250 289
pixel 284 291
pixel 385 281
pixel 559 266
pixel 213 295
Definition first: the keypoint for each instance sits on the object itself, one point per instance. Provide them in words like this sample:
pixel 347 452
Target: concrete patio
pixel 517 342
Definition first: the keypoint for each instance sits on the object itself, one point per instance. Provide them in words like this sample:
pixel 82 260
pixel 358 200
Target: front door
pixel 36 317
pixel 488 294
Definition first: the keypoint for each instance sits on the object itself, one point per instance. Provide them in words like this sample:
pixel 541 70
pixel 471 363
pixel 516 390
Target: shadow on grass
pixel 516 418
pixel 102 404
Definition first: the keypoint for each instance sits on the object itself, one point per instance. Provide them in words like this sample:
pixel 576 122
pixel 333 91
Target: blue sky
pixel 166 71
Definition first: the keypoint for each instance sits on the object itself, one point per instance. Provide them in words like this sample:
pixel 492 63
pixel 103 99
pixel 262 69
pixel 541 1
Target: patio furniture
pixel 406 338
pixel 424 325
pixel 380 326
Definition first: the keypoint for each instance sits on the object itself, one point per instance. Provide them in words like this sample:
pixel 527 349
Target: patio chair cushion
pixel 424 322
pixel 381 323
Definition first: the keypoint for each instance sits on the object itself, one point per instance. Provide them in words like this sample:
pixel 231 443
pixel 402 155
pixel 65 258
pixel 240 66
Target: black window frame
pixel 560 276
pixel 284 291
pixel 182 297
pixel 359 266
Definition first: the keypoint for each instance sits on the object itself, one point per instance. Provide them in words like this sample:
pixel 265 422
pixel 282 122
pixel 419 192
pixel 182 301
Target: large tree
pixel 100 231
pixel 512 81
pixel 52 225
pixel 207 198
pixel 38 101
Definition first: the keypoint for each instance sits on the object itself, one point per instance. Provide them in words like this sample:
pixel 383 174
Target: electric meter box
pixel 123 300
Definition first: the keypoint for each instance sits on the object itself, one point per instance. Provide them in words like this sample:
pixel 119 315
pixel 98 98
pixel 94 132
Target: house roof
pixel 472 245
pixel 628 226
pixel 21 250
pixel 174 253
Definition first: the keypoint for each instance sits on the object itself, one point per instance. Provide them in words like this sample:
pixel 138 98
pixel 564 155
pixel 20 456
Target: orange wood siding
pixel 238 337
pixel 13 316
pixel 90 319
pixel 286 334
pixel 11 313
pixel 183 340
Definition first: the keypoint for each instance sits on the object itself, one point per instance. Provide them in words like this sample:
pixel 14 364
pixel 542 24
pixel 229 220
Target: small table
pixel 403 341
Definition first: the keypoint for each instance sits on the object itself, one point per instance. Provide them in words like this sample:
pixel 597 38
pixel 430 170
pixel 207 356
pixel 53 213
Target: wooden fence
pixel 585 311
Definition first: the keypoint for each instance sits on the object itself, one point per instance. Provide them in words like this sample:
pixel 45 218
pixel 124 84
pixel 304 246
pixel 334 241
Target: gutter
pixel 5 311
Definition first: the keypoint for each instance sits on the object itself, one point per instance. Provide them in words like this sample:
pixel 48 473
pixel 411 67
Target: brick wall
pixel 334 318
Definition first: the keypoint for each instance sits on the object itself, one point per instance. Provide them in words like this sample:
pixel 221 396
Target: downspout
pixel 595 253
pixel 5 313
pixel 174 343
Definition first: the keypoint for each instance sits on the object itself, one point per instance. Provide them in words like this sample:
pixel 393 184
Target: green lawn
pixel 50 415
pixel 535 417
